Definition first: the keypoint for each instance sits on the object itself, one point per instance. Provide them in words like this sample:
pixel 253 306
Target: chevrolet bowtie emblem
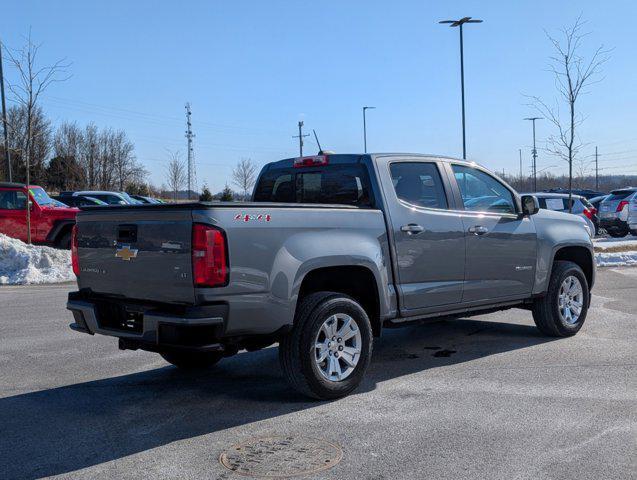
pixel 126 253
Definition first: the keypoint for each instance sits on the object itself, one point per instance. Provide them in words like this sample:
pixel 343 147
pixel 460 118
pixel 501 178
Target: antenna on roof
pixel 317 141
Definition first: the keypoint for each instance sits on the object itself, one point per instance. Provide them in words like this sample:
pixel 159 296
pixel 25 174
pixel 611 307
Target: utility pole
pixel 520 151
pixel 365 127
pixel 460 23
pixel 534 152
pixel 300 137
pixel 596 170
pixel 7 155
pixel 191 160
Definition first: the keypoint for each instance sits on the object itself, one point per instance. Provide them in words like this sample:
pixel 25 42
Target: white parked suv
pixel 618 212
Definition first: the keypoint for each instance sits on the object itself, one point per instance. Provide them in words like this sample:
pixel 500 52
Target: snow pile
pixel 21 263
pixel 627 243
pixel 616 259
pixel 613 252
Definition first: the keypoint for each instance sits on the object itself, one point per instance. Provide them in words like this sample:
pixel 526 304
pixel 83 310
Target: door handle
pixel 478 230
pixel 412 228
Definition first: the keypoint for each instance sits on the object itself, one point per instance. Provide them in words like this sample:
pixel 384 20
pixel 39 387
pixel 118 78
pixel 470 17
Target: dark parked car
pixel 586 193
pixel 144 199
pixel 78 200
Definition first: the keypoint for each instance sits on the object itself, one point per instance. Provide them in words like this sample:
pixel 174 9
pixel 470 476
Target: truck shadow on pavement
pixel 65 429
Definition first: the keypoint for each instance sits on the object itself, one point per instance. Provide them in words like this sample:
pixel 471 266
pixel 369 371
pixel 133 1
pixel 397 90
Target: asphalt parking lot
pixel 486 397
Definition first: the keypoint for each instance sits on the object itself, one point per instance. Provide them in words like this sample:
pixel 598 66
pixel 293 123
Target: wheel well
pixel 579 255
pixel 357 282
pixel 66 227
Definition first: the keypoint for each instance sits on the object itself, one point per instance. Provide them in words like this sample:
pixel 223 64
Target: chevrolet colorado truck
pixel 51 221
pixel 331 249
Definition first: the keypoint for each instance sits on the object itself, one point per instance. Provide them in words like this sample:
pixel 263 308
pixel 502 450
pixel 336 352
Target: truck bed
pixel 143 253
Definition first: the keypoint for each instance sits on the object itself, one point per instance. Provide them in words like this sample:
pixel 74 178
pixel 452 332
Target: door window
pixel 557 204
pixel 13 200
pixel 419 183
pixel 481 192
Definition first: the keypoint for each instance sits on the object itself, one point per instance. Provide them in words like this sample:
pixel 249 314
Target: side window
pixel 557 204
pixel 13 200
pixel 419 183
pixel 109 199
pixel 481 192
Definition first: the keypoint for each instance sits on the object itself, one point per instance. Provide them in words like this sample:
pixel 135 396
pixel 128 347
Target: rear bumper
pixel 613 224
pixel 149 327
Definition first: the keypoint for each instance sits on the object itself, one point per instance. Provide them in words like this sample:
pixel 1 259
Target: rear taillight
pixel 75 260
pixel 209 256
pixel 313 161
pixel 621 205
pixel 588 213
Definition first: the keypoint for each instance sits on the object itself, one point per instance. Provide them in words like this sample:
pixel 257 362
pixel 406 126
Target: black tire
pixel 64 241
pixel 633 233
pixel 192 360
pixel 546 311
pixel 618 233
pixel 297 352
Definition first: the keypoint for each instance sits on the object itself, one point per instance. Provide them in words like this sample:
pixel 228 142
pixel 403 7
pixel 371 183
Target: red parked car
pixel 51 221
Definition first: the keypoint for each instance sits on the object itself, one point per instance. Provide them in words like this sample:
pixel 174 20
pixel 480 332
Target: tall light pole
pixel 7 155
pixel 534 152
pixel 365 126
pixel 460 23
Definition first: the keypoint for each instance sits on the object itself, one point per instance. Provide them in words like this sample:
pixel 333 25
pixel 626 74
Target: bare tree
pixel 244 175
pixel 89 158
pixel 33 80
pixel 572 74
pixel 17 122
pixel 175 173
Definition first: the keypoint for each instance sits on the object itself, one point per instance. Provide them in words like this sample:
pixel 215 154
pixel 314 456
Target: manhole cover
pixel 280 457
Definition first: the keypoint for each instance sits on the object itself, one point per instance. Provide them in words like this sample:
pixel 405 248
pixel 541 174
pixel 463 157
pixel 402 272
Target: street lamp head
pixel 457 23
pixel 534 118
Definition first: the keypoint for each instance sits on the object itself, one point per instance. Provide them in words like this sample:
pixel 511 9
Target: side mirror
pixel 30 203
pixel 530 205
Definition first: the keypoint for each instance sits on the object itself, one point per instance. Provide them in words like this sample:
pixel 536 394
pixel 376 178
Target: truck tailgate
pixel 139 254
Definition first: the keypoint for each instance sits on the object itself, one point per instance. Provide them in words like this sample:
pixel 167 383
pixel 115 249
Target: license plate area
pixel 125 318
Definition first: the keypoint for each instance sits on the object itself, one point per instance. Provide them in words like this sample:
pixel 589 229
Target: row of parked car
pixel 615 212
pixel 52 218
pixel 100 197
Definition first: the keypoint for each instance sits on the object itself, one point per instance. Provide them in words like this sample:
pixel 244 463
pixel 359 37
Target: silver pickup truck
pixel 331 249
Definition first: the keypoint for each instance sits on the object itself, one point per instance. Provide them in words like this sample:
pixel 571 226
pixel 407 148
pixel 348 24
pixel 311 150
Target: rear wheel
pixel 618 233
pixel 326 354
pixel 562 311
pixel 192 360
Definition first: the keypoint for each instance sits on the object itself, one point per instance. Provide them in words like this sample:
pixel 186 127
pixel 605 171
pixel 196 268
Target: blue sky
pixel 252 69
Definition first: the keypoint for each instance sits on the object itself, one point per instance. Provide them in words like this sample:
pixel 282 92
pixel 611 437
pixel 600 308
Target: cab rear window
pixel 334 184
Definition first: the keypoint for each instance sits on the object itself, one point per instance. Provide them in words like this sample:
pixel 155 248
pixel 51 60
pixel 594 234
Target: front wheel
pixel 562 311
pixel 328 350
pixel 633 233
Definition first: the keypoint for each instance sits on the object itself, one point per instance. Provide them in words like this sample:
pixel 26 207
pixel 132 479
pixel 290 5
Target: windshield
pixel 41 197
